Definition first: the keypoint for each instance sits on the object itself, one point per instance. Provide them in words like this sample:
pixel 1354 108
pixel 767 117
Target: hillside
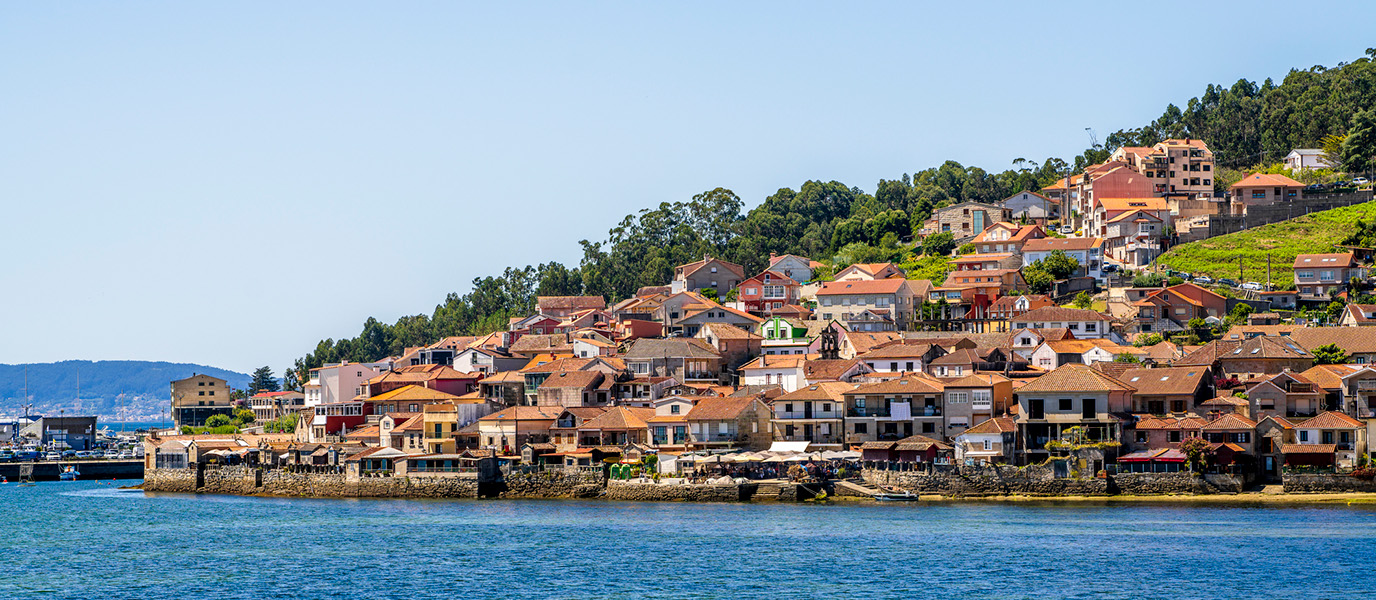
pixel 1314 233
pixel 53 386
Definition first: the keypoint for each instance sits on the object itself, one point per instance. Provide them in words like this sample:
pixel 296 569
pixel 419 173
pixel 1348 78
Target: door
pixel 807 410
pixel 1037 409
pixel 1270 462
pixel 807 431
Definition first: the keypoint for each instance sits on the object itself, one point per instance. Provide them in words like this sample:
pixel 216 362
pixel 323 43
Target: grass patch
pixel 1311 234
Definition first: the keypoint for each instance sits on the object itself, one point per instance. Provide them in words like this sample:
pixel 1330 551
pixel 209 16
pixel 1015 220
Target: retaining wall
pixel 1040 481
pixel 657 492
pixel 1305 483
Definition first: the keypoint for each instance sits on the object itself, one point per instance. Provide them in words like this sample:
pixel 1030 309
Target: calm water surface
pixel 83 540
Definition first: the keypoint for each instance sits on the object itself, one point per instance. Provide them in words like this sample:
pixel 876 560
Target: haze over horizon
pixel 228 184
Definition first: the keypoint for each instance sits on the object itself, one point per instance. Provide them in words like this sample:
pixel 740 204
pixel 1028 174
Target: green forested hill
pixel 54 385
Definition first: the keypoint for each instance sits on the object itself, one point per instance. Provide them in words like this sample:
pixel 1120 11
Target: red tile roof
pixel 1265 180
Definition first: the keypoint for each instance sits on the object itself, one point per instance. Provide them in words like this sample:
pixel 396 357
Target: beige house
pixel 729 423
pixel 868 272
pixel 709 272
pixel 1176 166
pixel 1318 275
pixel 814 414
pixel 198 398
pixel 843 300
pixel 1261 189
pixel 1071 396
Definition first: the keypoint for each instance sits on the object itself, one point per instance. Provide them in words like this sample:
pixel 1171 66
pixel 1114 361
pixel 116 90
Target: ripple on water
pixel 86 540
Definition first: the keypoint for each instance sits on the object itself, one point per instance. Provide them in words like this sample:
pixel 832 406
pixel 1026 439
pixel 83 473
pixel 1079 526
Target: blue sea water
pixel 91 540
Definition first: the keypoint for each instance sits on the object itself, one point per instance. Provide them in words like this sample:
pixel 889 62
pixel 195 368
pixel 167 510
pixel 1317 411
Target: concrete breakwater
pixel 1038 480
pixel 90 469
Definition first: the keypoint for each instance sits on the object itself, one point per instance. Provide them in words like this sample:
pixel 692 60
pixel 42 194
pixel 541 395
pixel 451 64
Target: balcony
pixel 1366 384
pixel 800 415
pixel 981 406
pixel 699 375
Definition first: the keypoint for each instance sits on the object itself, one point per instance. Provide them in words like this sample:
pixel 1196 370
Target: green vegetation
pixel 1083 301
pixel 1218 257
pixel 1329 354
pixel 933 268
pixel 284 424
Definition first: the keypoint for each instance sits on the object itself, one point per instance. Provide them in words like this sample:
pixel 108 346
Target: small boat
pixel 68 473
pixel 906 496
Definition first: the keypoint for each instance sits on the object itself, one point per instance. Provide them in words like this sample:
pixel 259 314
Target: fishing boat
pixel 68 473
pixel 906 496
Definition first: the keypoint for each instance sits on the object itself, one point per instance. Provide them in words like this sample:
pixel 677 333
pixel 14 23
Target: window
pixel 200 393
pixel 751 291
pixel 908 366
pixel 1304 436
pixel 1090 327
pixel 788 407
pixel 893 366
pixel 1067 404
pixel 1141 437
pixel 862 428
pixel 1174 437
pixel 929 427
pixel 826 407
pixel 988 445
pixel 674 409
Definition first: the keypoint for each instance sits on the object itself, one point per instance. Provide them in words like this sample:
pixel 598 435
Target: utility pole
pixel 1268 271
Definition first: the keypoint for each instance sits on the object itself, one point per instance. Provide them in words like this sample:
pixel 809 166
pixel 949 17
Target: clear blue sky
pixel 227 183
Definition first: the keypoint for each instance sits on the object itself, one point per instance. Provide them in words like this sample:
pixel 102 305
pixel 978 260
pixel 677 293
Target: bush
pixel 217 421
pixel 939 244
pixel 1365 473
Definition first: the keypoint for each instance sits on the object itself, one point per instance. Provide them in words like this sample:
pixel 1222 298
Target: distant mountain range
pixel 144 386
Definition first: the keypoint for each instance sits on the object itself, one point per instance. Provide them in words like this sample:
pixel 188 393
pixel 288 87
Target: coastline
pixel 1336 498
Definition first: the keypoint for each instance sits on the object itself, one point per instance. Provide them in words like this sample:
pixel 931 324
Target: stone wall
pixel 1034 480
pixel 657 492
pixel 1318 484
pixel 1153 484
pixel 170 480
pixel 551 485
pixel 1040 480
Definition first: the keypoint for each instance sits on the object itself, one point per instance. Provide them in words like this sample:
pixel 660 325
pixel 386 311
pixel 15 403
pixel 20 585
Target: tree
pixel 939 244
pixel 709 293
pixel 1147 280
pixel 1059 264
pixel 1083 300
pixel 1150 339
pixel 263 381
pixel 1127 357
pixel 1329 354
pixel 1359 147
pixel 1038 280
pixel 218 421
pixel 244 416
pixel 1196 451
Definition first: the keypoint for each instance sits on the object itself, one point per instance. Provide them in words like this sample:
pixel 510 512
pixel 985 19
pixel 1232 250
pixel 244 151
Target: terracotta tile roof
pixel 1113 369
pixel 976 380
pixel 720 409
pixel 963 356
pixel 727 331
pixel 1261 347
pixel 1132 204
pixel 1049 314
pixel 1330 377
pixel 994 425
pixel 819 370
pixel 620 418
pixel 826 390
pixel 693 267
pixel 416 423
pixel 547 303
pixel 1225 401
pixel 1265 180
pixel 874 286
pixel 651 348
pixel 1330 420
pixel 413 392
pixel 1166 381
pixel 914 443
pixel 1064 244
pixel 864 341
pixel 1344 259
pixel 1231 421
pixel 1359 312
pixel 534 343
pixel 903 350
pixel 1074 378
pixel 1308 448
pixel 912 384
pixel 574 379
pixel 777 361
pixel 1353 340
pixel 558 365
pixel 533 413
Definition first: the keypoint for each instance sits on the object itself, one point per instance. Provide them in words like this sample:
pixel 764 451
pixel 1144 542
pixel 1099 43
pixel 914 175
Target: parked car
pixel 1228 282
pixel 1110 268
pixel 52 456
pixel 1067 229
pixel 126 455
pixel 111 455
pixel 1360 181
pixel 69 454
pixel 6 455
pixel 1252 285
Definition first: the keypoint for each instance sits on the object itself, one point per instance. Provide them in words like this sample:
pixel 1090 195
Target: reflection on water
pixel 94 540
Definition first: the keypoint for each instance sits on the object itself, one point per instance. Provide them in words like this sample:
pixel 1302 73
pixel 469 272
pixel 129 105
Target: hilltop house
pixel 713 273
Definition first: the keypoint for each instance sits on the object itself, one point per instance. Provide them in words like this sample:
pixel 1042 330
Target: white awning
pixel 788 447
